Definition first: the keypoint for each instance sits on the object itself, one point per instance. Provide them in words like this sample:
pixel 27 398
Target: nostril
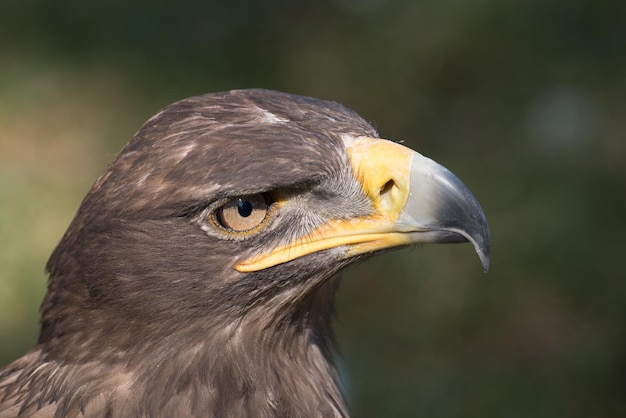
pixel 387 188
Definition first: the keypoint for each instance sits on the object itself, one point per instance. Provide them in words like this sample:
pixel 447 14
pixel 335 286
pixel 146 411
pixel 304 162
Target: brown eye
pixel 242 213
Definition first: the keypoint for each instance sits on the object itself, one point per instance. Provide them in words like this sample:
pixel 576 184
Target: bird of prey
pixel 197 277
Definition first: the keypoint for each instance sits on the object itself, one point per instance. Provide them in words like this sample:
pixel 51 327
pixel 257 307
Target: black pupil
pixel 244 207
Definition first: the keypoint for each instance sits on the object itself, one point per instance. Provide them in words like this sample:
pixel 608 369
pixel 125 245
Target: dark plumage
pixel 158 305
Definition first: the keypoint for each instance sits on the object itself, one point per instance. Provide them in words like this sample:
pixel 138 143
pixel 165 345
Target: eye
pixel 242 213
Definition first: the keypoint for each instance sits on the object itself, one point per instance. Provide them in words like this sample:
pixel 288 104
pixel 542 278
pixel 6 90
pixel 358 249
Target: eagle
pixel 198 275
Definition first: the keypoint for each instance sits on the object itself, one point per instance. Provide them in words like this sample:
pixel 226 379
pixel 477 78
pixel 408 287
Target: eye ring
pixel 242 214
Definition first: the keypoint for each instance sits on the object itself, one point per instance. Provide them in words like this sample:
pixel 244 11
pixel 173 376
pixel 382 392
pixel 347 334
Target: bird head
pixel 226 203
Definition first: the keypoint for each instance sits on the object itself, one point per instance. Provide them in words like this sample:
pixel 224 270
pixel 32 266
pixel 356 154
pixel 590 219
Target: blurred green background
pixel 524 100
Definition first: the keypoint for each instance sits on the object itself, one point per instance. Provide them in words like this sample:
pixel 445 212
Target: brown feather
pixel 145 315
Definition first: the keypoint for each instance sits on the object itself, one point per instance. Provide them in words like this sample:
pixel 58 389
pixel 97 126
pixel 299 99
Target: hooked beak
pixel 415 201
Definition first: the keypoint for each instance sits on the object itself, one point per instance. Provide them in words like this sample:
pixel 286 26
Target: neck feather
pixel 275 360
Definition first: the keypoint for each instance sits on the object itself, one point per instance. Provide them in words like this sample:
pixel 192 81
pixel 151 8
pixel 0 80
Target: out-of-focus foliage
pixel 524 100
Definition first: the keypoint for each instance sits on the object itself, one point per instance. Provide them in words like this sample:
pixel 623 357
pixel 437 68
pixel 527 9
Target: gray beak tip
pixel 484 253
pixel 440 203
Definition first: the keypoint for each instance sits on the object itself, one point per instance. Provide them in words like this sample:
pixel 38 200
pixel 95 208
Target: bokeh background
pixel 524 100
